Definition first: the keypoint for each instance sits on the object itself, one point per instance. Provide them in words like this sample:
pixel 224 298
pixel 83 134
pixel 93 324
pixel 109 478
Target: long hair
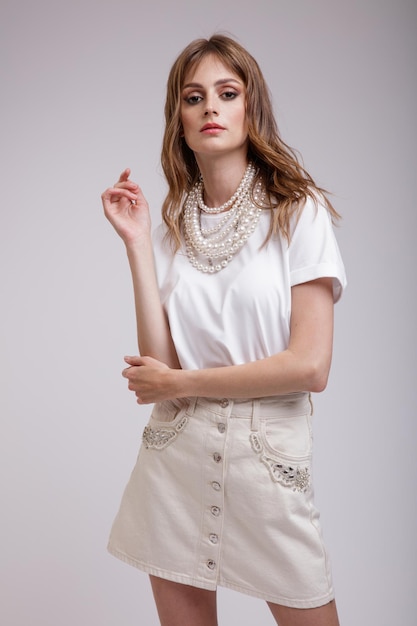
pixel 286 182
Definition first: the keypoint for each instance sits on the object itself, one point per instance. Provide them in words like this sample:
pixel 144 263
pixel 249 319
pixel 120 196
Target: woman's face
pixel 213 110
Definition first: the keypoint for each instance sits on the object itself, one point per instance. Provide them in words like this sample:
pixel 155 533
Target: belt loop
pixel 191 406
pixel 311 404
pixel 255 414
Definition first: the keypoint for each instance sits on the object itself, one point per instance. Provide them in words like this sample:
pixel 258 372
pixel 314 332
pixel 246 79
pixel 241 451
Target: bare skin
pixel 321 616
pixel 127 209
pixel 183 605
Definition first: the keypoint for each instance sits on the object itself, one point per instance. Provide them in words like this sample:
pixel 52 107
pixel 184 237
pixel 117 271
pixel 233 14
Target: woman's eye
pixel 193 99
pixel 229 95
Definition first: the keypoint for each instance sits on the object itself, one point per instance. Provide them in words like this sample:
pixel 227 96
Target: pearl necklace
pixel 211 250
pixel 243 185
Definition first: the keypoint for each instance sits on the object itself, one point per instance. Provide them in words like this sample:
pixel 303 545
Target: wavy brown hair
pixel 287 183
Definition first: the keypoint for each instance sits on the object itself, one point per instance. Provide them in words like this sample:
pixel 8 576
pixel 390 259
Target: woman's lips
pixel 211 129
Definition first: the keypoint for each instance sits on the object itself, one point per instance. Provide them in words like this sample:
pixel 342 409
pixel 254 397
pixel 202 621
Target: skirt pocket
pixel 167 420
pixel 285 447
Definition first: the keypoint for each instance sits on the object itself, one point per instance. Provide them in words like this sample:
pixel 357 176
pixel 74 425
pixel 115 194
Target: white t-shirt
pixel 242 313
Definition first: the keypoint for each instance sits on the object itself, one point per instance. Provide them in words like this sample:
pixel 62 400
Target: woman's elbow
pixel 317 376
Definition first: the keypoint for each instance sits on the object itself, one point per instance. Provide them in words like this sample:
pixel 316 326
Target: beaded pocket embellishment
pixel 161 437
pixel 290 475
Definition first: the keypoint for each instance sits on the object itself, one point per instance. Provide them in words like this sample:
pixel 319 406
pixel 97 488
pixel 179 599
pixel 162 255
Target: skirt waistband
pixel 288 405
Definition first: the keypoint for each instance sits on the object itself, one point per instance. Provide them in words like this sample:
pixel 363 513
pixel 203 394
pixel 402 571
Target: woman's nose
pixel 210 110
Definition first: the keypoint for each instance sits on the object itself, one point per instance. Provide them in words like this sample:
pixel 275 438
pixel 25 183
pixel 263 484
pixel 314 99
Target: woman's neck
pixel 221 179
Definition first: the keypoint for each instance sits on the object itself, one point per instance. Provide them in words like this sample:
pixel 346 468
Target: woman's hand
pixel 126 209
pixel 150 379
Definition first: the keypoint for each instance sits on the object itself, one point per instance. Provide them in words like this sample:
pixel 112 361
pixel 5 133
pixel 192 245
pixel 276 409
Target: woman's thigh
pixel 183 605
pixel 321 616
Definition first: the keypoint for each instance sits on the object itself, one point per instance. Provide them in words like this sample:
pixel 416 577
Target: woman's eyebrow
pixel 221 81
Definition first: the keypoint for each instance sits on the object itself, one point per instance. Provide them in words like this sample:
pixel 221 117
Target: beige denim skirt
pixel 221 494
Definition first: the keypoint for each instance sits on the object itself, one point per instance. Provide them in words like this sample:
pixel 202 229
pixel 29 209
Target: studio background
pixel 83 87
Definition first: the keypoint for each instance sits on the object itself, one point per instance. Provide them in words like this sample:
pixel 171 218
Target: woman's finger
pixel 128 184
pixel 113 194
pixel 124 175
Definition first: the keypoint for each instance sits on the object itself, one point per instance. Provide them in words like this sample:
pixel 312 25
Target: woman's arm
pixel 303 366
pixel 127 210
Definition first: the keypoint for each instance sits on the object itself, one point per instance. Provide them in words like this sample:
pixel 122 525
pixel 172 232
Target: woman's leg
pixel 322 616
pixel 183 605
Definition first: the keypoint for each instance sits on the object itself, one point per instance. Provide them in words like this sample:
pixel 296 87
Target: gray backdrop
pixel 82 97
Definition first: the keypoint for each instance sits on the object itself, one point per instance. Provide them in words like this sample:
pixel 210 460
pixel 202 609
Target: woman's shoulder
pixel 310 212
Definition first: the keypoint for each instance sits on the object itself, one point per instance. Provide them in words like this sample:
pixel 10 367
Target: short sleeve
pixel 313 250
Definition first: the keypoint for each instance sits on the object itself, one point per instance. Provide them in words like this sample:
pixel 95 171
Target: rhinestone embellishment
pixel 160 438
pixel 294 476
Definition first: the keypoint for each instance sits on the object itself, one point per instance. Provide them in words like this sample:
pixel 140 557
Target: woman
pixel 234 322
